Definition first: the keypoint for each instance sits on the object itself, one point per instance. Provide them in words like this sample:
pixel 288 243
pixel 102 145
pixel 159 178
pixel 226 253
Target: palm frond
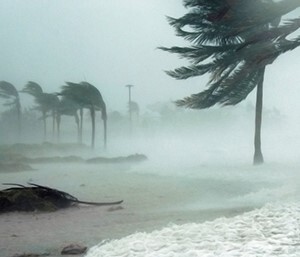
pixel 199 53
pixel 232 41
pixel 221 22
pixel 196 29
pixel 288 45
pixel 230 89
pixel 5 96
pixel 272 34
pixel 190 71
pixel 33 89
pixel 84 94
pixel 10 104
pixel 7 90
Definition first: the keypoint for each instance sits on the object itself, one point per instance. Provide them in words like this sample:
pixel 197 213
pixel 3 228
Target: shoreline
pixel 88 225
pixel 151 202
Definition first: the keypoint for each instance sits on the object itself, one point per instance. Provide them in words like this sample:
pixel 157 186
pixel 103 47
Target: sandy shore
pixel 150 202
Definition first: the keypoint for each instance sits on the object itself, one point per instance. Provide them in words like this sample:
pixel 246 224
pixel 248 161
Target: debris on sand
pixel 73 249
pixel 39 198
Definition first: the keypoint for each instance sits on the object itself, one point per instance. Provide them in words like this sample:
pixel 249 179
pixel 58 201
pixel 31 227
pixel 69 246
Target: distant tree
pixel 10 93
pixel 45 103
pixel 75 93
pixel 233 41
pixel 68 107
pixel 134 108
pixel 87 96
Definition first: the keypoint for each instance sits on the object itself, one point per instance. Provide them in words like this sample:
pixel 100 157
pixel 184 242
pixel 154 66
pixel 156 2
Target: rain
pixel 89 107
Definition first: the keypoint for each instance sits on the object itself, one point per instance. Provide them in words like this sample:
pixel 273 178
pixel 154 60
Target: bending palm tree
pixel 96 103
pixel 234 41
pixel 8 91
pixel 87 96
pixel 76 94
pixel 45 103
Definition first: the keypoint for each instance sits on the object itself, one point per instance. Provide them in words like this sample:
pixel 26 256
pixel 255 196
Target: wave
pixel 272 230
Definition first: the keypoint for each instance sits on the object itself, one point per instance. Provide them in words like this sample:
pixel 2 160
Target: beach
pixel 151 202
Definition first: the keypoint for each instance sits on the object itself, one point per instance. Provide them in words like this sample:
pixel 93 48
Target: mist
pixel 198 165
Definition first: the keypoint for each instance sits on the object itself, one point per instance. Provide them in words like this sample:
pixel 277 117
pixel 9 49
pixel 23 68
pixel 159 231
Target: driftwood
pixel 41 198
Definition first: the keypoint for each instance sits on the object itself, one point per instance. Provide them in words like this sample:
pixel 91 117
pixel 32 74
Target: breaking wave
pixel 269 231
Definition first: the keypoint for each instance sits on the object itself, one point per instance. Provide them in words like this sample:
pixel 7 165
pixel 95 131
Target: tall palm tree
pixel 45 103
pixel 233 41
pixel 9 92
pixel 87 96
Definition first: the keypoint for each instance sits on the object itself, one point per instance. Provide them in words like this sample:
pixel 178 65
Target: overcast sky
pixel 112 43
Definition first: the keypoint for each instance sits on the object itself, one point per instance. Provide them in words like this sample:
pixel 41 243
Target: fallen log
pixel 39 198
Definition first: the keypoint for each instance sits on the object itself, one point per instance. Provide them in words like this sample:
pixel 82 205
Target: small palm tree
pixel 45 103
pixel 87 96
pixel 9 92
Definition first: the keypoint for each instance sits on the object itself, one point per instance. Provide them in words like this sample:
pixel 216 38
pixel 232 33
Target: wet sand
pixel 150 202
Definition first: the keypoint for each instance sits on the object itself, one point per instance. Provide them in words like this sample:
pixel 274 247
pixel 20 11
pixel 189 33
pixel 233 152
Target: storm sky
pixel 112 43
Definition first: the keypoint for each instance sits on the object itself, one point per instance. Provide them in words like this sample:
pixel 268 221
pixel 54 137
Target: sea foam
pixel 273 230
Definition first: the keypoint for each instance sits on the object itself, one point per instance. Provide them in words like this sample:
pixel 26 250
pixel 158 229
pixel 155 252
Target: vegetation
pixel 9 92
pixel 74 97
pixel 68 107
pixel 233 41
pixel 39 198
pixel 87 96
pixel 45 103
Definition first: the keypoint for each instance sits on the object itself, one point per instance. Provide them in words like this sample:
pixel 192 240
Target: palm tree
pixel 9 92
pixel 68 107
pixel 87 96
pixel 45 103
pixel 233 41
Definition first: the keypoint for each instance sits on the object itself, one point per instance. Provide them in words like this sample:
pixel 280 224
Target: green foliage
pixel 232 41
pixel 45 102
pixel 84 95
pixel 87 96
pixel 7 90
pixel 10 93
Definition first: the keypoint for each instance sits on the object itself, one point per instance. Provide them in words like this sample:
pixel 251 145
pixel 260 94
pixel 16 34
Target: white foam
pixel 273 230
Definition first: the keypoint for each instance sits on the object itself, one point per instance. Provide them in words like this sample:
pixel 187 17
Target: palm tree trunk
pixel 45 126
pixel 258 156
pixel 78 127
pixel 53 124
pixel 81 125
pixel 58 118
pixel 104 118
pixel 92 110
pixel 105 133
pixel 19 116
